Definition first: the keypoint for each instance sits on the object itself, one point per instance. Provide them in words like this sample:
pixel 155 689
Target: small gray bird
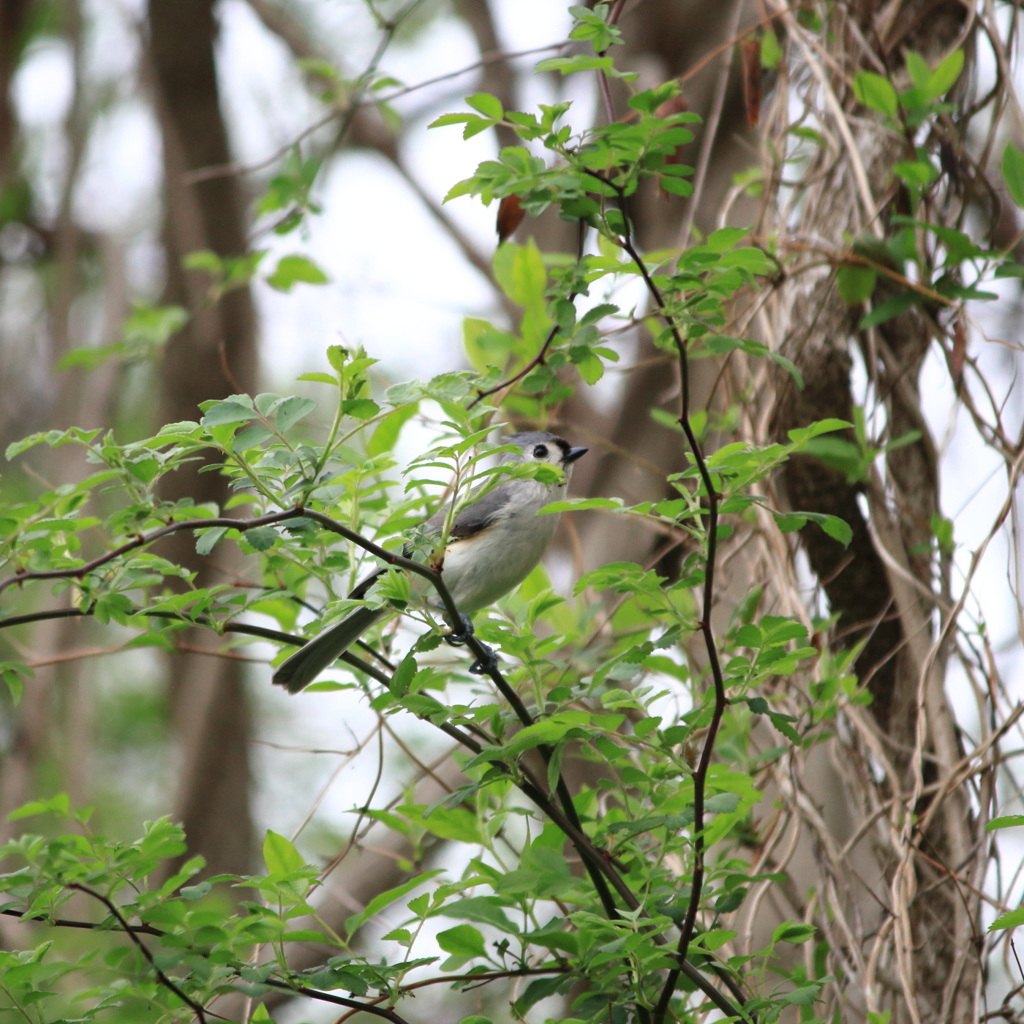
pixel 493 546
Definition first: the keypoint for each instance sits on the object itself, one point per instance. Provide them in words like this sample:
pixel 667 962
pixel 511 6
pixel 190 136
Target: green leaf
pixel 262 538
pixel 386 434
pixel 207 540
pixel 385 899
pixel 920 73
pixel 483 909
pixel 488 105
pixel 455 823
pixel 578 504
pixel 771 52
pixel 280 855
pixel 800 435
pixel 567 65
pixel 14 676
pixel 804 996
pixel 59 804
pixel 1010 920
pixel 400 681
pixel 229 411
pixel 875 92
pixel 838 529
pixel 716 938
pixel 293 270
pixel 538 990
pixel 291 410
pixel 855 283
pixel 946 74
pixel 590 367
pixel 1013 173
pixel 790 367
pixel 677 186
pixel 1007 821
pixel 446 119
pixel 888 309
pixel 462 940
pixel 318 378
pixel 360 408
pixel 195 892
pixel 791 931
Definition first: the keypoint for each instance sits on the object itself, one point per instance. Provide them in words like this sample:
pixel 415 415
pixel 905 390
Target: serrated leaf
pixel 360 408
pixel 280 855
pixel 195 892
pixel 291 410
pixel 385 899
pixel 804 996
pixel 483 909
pixel 262 538
pixel 488 105
pixel 836 528
pixel 793 932
pixel 400 681
pixel 1010 920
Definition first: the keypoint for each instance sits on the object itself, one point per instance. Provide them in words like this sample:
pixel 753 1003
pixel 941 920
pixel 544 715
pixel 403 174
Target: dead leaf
pixel 751 49
pixel 510 216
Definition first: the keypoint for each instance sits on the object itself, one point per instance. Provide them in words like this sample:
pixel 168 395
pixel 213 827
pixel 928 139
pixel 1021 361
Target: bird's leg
pixel 482 665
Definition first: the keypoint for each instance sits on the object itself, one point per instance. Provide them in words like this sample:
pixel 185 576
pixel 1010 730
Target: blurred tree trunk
pixel 212 357
pixel 13 29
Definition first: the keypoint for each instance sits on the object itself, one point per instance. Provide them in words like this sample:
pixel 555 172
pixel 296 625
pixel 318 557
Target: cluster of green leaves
pixel 604 676
pixel 946 264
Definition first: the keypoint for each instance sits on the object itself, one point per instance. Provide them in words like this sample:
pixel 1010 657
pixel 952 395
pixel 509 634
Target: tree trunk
pixel 212 357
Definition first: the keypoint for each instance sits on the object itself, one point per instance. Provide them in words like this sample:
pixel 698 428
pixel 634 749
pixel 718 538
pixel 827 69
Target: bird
pixel 493 545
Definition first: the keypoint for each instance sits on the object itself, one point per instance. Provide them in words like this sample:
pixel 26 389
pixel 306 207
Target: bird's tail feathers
pixel 298 671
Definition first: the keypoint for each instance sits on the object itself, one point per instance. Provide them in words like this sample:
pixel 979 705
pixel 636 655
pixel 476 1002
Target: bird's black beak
pixel 575 453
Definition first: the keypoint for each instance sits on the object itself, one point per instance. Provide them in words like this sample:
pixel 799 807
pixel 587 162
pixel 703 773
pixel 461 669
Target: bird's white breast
pixel 483 568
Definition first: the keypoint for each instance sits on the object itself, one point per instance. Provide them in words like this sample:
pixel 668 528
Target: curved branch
pixel 142 948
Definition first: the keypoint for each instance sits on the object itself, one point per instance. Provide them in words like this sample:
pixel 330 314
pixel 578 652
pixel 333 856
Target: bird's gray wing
pixel 298 671
pixel 473 518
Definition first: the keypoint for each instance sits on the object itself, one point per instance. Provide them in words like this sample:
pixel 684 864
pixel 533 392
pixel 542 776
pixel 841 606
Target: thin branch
pixel 197 1008
pixel 230 170
pixel 700 775
pixel 63 922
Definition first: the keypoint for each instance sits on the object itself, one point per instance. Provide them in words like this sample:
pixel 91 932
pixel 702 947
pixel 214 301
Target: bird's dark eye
pixel 540 452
